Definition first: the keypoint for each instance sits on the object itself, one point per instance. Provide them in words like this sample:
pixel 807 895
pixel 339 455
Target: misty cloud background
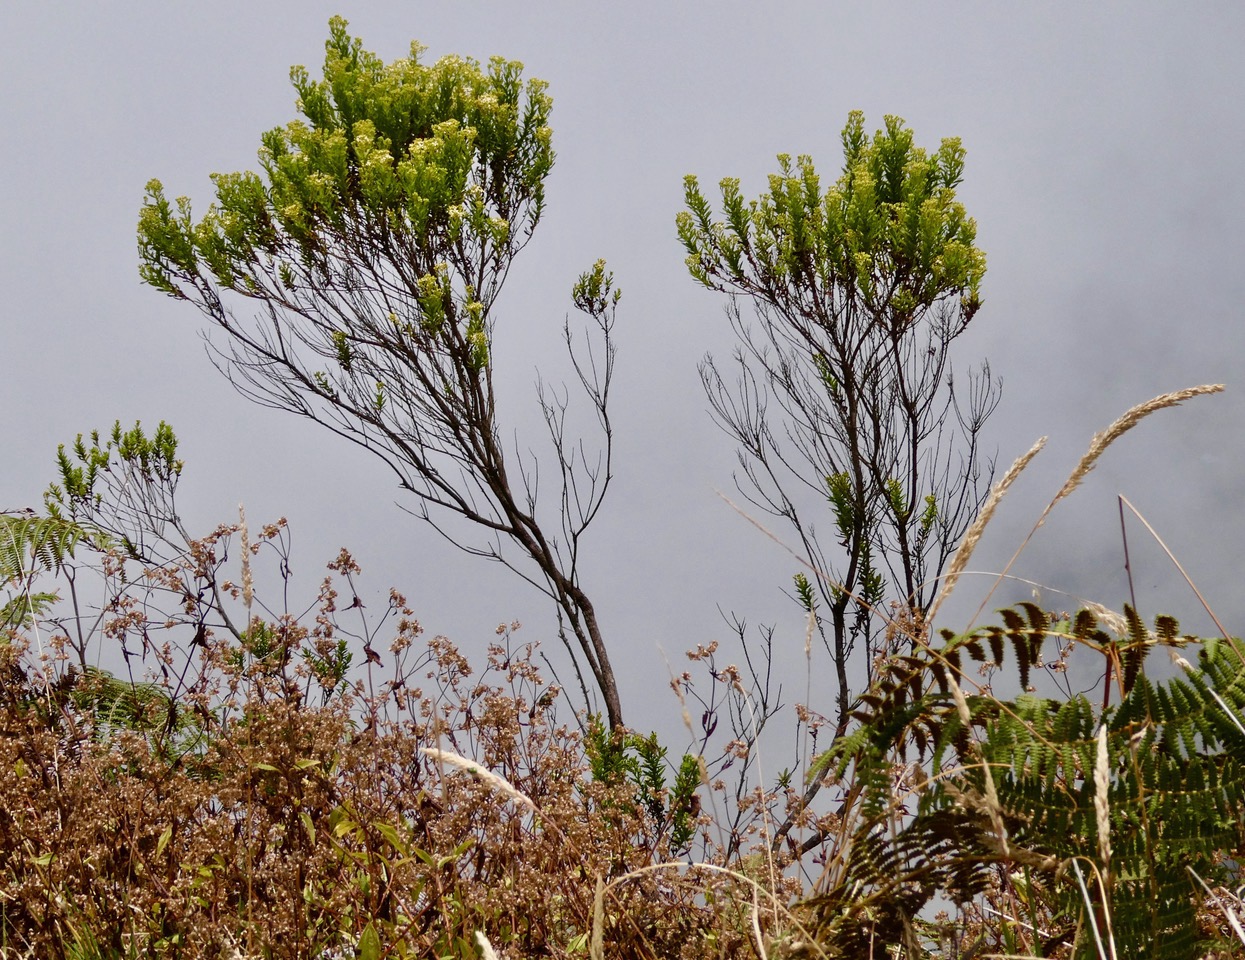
pixel 1104 153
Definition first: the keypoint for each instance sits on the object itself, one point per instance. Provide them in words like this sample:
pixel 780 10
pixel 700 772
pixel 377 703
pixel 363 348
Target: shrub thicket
pixel 238 787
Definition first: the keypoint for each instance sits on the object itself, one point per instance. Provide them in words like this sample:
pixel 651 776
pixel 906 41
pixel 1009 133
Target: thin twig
pixel 1128 566
pixel 1172 557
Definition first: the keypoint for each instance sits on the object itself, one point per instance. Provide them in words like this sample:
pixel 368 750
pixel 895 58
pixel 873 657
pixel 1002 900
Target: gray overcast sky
pixel 1104 150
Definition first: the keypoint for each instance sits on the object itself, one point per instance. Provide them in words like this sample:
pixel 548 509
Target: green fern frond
pixel 29 542
pixel 1175 775
pixel 22 610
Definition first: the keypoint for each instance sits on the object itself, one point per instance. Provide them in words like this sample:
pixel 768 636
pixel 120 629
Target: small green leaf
pixel 369 943
pixel 343 827
pixel 804 592
pixel 391 835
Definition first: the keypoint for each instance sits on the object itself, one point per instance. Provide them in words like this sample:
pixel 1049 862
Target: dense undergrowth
pixel 237 786
pixel 242 791
pixel 294 830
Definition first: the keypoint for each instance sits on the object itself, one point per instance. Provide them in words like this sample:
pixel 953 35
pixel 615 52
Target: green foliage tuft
pixel 889 232
pixel 438 169
pixel 616 758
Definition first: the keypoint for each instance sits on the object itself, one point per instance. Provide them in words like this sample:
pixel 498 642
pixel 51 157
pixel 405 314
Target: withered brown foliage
pixel 244 800
pixel 294 831
pixel 190 769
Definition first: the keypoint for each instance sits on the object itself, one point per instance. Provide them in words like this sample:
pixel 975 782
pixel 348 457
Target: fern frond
pixel 28 541
pixel 1173 769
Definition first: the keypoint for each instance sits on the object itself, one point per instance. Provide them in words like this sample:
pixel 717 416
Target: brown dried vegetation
pixel 237 786
pixel 210 808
